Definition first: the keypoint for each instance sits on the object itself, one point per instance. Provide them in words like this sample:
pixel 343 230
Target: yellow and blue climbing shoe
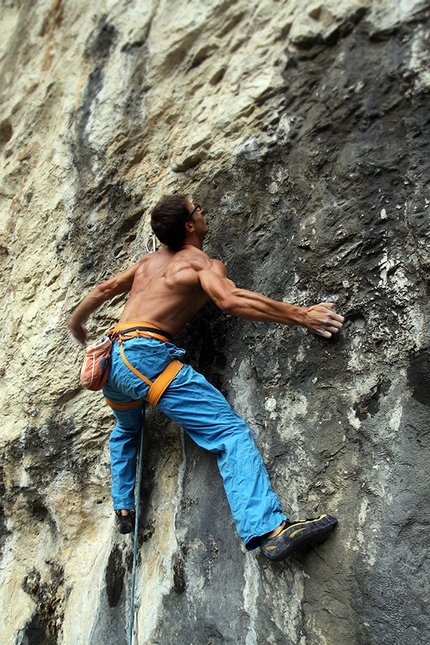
pixel 297 536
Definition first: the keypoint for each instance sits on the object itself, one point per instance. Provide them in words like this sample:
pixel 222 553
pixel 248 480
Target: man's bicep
pixel 218 287
pixel 120 283
pixel 125 279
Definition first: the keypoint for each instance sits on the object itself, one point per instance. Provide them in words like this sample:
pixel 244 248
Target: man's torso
pixel 166 289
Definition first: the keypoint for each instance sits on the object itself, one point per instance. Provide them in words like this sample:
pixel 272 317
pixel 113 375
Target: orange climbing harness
pixel 125 331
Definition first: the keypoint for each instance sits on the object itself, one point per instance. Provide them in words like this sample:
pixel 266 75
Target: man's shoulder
pixel 194 260
pixel 193 257
pixel 201 261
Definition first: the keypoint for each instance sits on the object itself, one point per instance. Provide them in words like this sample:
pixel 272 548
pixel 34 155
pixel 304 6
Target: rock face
pixel 303 129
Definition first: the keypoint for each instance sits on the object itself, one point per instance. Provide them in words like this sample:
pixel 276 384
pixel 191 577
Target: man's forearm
pixel 254 306
pixel 120 283
pixel 89 305
pixel 83 311
pixel 320 319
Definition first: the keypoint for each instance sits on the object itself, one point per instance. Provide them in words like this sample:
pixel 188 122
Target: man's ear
pixel 189 226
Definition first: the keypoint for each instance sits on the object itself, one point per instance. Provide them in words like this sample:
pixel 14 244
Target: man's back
pixel 166 288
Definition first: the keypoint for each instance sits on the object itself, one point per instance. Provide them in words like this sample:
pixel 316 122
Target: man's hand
pixel 78 331
pixel 323 320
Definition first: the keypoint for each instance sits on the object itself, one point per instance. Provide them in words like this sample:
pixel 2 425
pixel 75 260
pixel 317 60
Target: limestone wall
pixel 303 128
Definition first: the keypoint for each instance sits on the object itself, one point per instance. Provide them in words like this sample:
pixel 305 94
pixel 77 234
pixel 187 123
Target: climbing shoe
pixel 125 523
pixel 296 536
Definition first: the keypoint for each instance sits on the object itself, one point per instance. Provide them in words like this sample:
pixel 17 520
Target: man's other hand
pixel 323 320
pixel 78 331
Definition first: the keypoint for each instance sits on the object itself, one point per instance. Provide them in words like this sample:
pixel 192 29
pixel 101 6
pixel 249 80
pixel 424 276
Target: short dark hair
pixel 168 220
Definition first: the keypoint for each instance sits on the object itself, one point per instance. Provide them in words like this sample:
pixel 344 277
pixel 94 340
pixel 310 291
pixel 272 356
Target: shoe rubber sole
pixel 298 535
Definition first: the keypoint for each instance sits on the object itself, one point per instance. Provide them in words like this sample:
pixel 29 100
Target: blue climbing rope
pixel 136 527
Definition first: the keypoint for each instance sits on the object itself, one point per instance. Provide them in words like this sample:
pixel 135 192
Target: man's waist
pixel 125 330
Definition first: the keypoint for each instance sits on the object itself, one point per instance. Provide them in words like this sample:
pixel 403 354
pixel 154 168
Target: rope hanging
pixel 133 617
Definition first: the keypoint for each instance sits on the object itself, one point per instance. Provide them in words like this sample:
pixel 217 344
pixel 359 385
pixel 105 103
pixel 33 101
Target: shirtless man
pixel 166 289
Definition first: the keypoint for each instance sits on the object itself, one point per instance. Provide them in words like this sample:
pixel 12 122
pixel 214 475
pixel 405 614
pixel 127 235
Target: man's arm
pixel 120 283
pixel 320 319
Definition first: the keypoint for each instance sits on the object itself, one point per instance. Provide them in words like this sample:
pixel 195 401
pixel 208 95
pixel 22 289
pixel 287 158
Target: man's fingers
pixel 337 318
pixel 329 327
pixel 330 310
pixel 324 320
pixel 332 314
pixel 324 333
pixel 79 333
pixel 337 324
pixel 334 320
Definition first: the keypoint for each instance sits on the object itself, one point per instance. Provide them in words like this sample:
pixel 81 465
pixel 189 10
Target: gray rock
pixel 305 135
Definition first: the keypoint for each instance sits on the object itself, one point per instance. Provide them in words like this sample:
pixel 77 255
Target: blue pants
pixel 202 411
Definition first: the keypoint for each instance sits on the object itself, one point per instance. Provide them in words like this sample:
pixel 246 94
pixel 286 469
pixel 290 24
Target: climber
pixel 167 287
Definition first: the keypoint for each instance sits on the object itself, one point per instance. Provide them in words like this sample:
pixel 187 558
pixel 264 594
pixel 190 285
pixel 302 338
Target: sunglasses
pixel 196 208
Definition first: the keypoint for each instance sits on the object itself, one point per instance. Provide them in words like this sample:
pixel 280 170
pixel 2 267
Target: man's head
pixel 169 219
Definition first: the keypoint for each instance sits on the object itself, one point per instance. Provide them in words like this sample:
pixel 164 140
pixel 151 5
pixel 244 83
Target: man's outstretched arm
pixel 321 319
pixel 103 292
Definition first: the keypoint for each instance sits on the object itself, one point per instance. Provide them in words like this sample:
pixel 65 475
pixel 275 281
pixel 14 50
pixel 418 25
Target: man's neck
pixel 193 242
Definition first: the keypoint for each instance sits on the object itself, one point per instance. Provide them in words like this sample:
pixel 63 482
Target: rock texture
pixel 303 128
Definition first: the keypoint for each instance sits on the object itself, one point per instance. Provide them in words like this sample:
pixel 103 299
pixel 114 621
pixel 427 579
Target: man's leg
pixel 123 444
pixel 207 417
pixel 211 422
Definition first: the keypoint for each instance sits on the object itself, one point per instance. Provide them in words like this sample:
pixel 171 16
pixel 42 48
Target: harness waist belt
pixel 127 330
